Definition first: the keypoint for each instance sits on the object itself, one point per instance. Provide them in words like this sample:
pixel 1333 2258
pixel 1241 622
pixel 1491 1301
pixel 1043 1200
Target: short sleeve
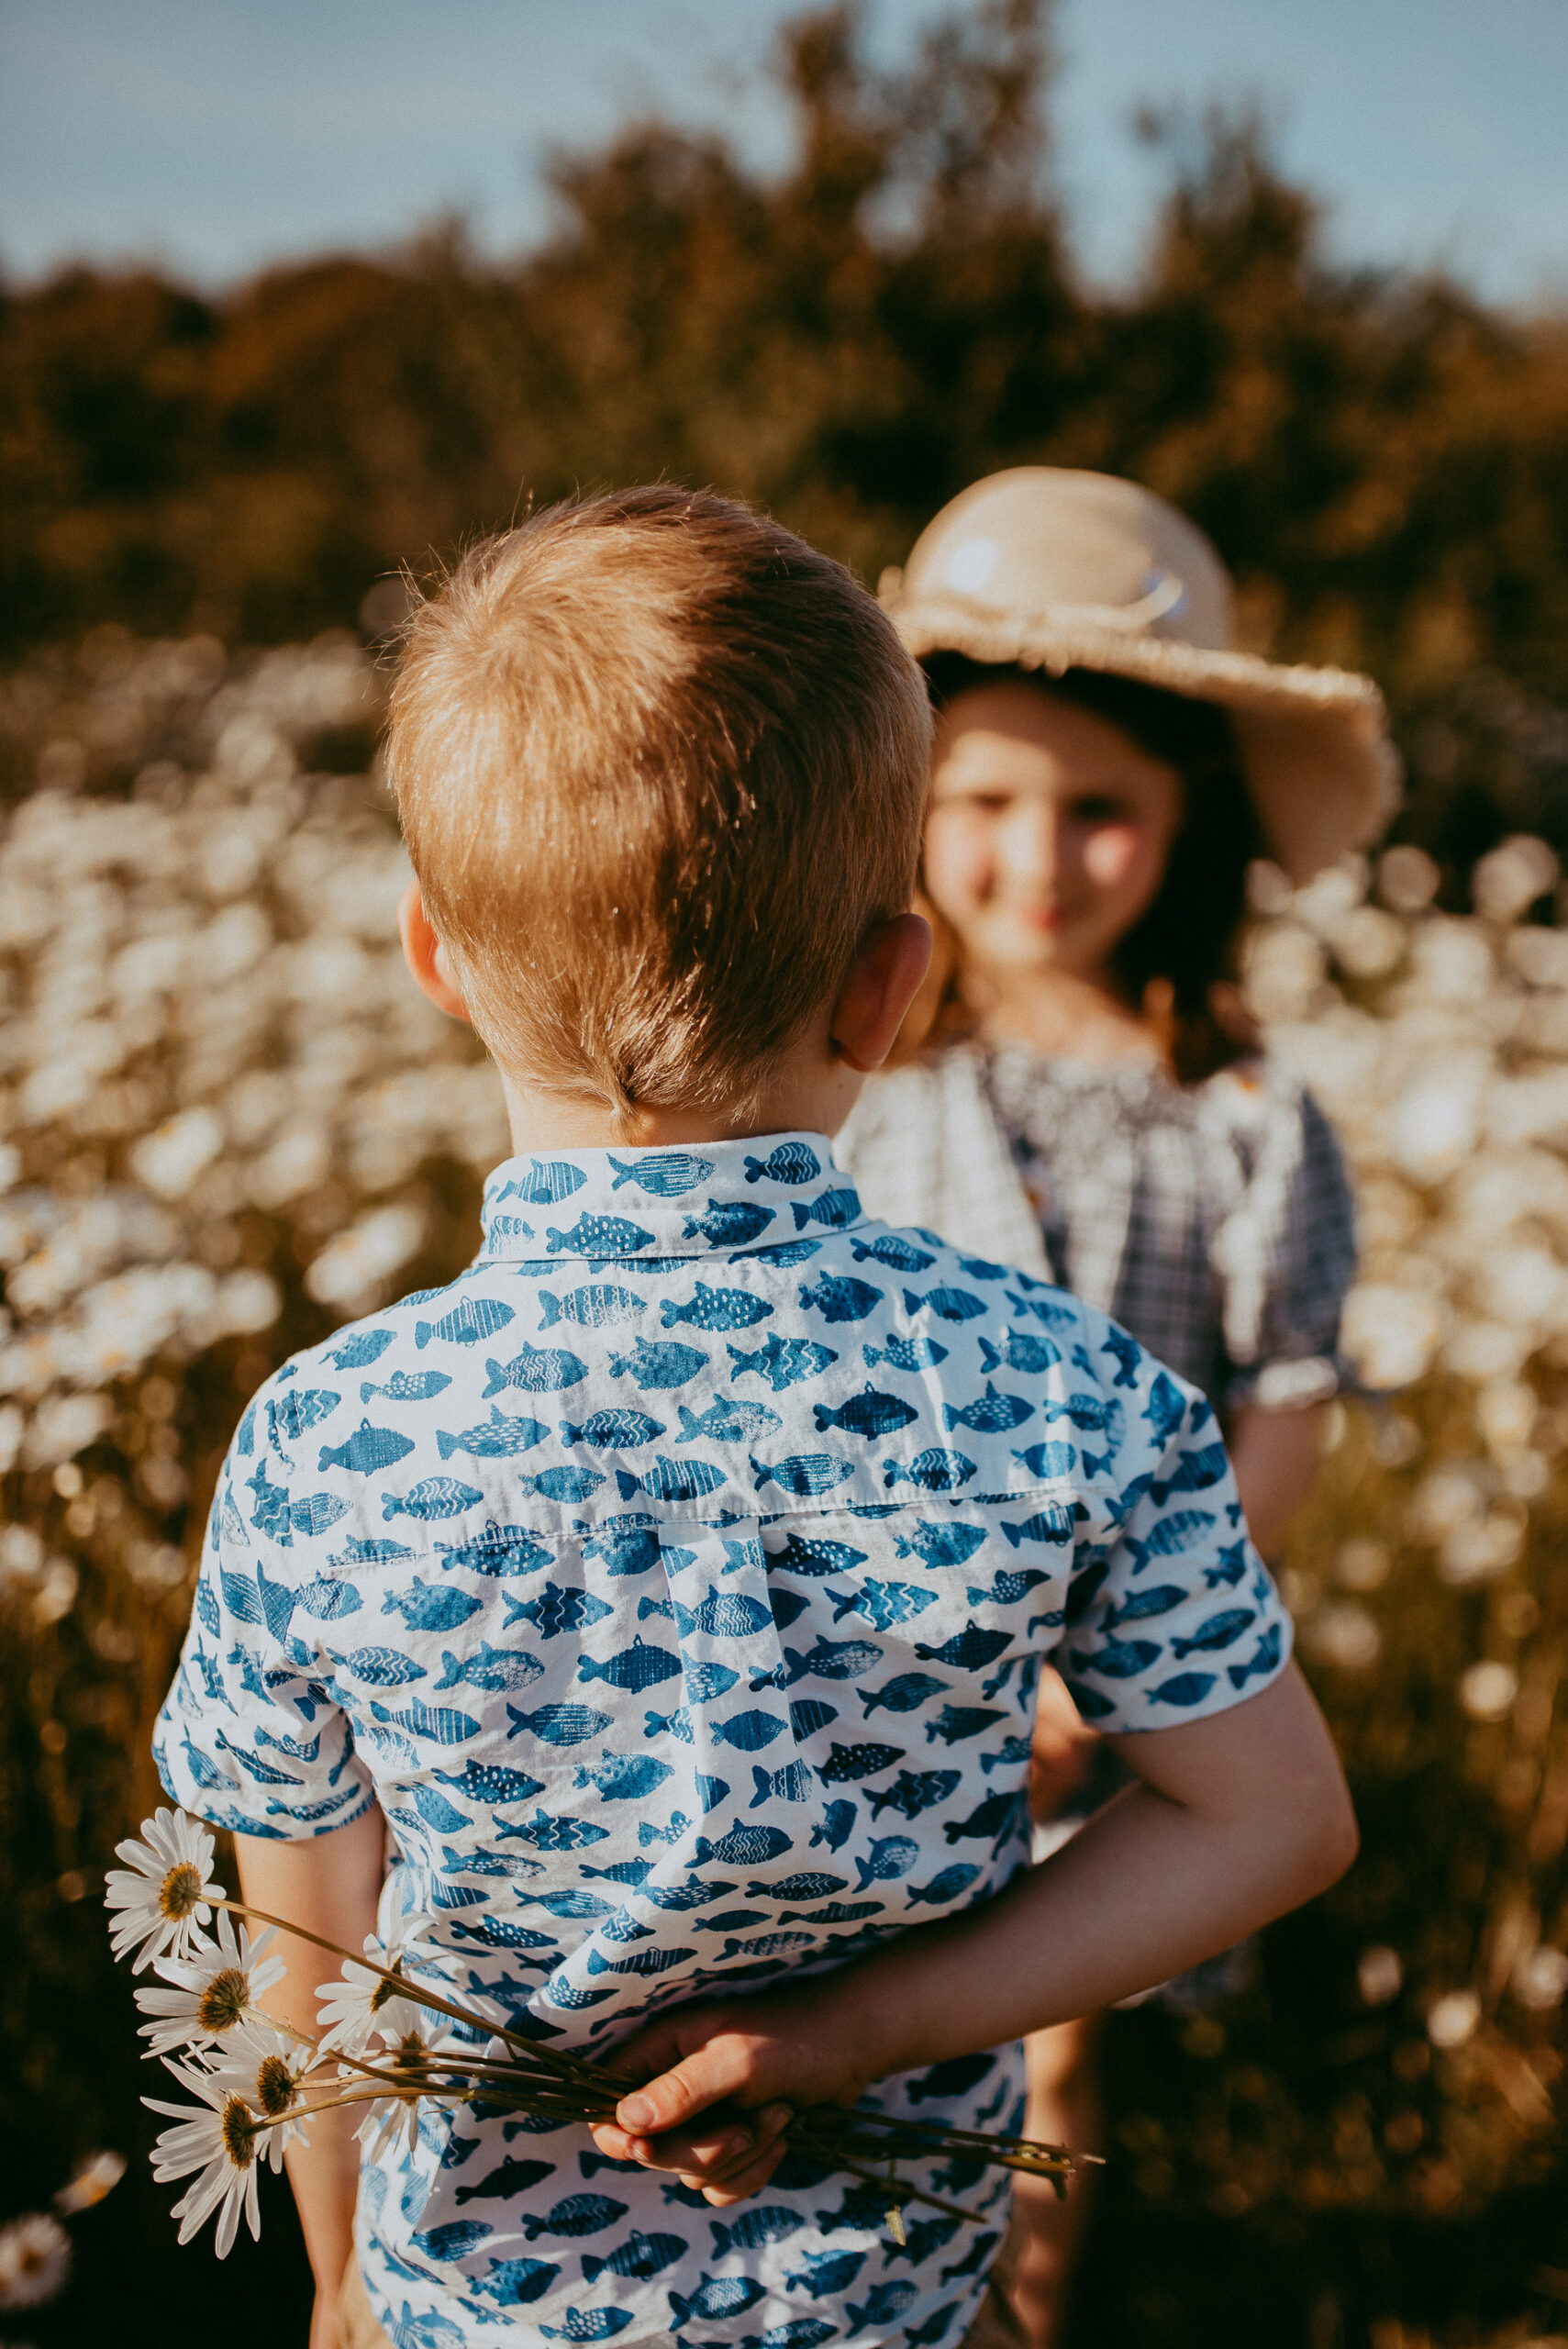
pixel 251 1735
pixel 1172 1615
pixel 1285 1255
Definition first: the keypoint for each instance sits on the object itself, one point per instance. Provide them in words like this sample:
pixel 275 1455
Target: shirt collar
pixel 707 1199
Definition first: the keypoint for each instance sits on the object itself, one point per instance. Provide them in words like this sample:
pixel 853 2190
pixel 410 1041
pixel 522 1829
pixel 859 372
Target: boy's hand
pixel 721 2079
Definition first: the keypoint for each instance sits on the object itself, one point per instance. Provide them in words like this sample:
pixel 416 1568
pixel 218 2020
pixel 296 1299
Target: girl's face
pixel 1048 833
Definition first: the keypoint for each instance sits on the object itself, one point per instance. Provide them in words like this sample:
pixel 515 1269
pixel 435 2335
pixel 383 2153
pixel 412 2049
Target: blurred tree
pixel 1383 460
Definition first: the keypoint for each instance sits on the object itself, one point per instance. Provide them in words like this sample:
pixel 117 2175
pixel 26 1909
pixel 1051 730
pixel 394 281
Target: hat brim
pixel 1314 741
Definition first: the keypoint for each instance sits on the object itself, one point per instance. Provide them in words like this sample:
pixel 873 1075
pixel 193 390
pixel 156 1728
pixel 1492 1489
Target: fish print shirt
pixel 677 1582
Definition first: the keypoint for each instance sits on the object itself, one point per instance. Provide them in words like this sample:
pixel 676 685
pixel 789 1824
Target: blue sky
pixel 215 135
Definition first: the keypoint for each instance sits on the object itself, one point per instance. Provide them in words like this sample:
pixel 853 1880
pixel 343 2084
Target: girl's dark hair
pixel 1178 962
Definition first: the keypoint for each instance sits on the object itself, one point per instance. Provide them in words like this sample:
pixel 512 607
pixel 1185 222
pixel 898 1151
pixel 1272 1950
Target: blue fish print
pixel 716 1308
pixel 867 1414
pixel 793 1162
pixel 636 1667
pixel 804 1472
pixel 538 1370
pixel 466 1324
pixel 989 1414
pixel 384 1667
pixel 1187 1688
pixel 558 1724
pixel 743 1847
pixel 826 2271
pixel 940 1545
pixel 1053 1523
pixel 906 1353
pixel 1019 1351
pixel 1170 1537
pixel 816 1558
pixel 614 1430
pixel 847 1765
pixel 956 1722
pixel 754 2229
pixel 1265 1658
pixel 834 1660
pixel 430 1606
pixel 407 1386
pixel 837 1824
pixel 783 1362
pixel 546 1184
pixel 1007 1587
pixel 662 1173
pixel 562 1484
pixel 903 1693
pixel 432 1498
pixel 640 2254
pixel 491 1782
pixel 328 1599
pixel 299 1409
pixel 598 1235
pixel 832 1209
pixel 643 1790
pixel 723 1615
pixel 932 1471
pixel 491 1668
pixel 624 1778
pixel 598 1305
pixel 493 1439
pixel 899 1255
pixel 715 2297
pixel 441 1723
pixel 652 1364
pixel 724 1422
pixel 882 1603
pixel 1221 1630
pixel 671 1480
pixel 839 1296
pixel 728 1223
pixel 967 1649
pixel 361 1351
pixel 579 2214
pixel 498 1551
pixel 915 1791
pixel 555 1610
pixel 952 1304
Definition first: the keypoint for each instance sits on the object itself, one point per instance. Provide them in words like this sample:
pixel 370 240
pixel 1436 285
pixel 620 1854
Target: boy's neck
pixel 811 1090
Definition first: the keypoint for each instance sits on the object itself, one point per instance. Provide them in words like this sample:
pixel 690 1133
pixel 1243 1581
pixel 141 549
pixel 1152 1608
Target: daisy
pixel 221 2144
pixel 214 1990
pixel 391 2117
pixel 35 2260
pixel 163 1894
pixel 361 2005
pixel 268 2069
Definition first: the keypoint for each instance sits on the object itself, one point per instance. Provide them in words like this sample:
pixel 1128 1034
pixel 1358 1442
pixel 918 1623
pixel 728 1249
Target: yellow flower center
pixel 275 2086
pixel 383 1991
pixel 239 2132
pixel 181 1890
pixel 225 1999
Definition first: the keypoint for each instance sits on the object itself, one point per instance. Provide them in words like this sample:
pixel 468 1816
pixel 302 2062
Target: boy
pixel 676 1584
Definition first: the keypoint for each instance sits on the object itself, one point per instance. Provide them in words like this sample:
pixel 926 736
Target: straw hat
pixel 1046 569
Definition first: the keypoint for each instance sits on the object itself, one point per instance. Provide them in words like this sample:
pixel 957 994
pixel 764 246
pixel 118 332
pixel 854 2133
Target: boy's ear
pixel 425 955
pixel 883 982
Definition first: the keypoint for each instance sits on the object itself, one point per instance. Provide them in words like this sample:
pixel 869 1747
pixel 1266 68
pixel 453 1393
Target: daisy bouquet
pixel 389 2040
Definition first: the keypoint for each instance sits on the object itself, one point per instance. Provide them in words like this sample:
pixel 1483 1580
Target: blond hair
pixel 659 766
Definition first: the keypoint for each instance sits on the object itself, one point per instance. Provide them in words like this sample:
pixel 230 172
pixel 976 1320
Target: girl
pixel 1082 1092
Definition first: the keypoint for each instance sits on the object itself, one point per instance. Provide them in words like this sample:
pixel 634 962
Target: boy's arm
pixel 1236 1818
pixel 330 1885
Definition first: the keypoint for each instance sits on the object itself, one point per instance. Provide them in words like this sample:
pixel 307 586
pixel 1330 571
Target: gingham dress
pixel 1215 1221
